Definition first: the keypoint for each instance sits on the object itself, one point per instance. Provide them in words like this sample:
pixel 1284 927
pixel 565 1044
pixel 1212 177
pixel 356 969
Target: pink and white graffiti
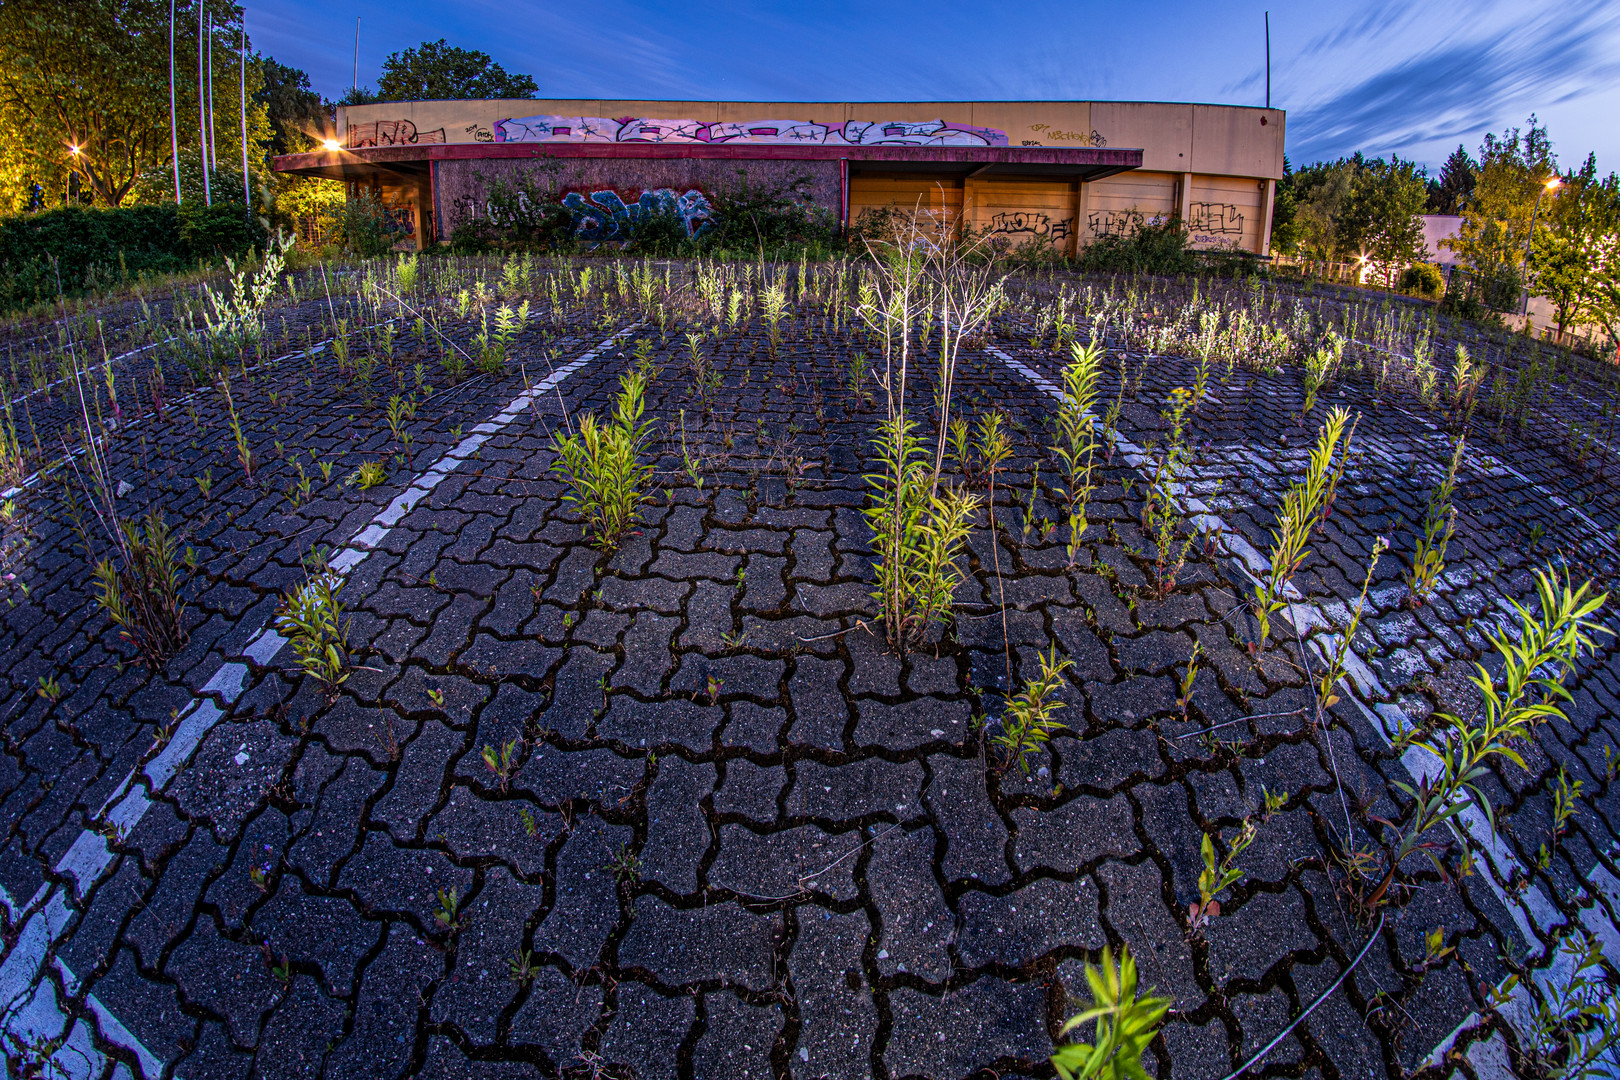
pixel 636 129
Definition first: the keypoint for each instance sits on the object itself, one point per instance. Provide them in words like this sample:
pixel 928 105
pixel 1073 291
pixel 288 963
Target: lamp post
pixel 1550 185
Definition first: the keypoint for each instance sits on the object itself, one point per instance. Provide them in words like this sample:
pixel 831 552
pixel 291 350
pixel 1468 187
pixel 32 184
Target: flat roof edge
pixel 318 162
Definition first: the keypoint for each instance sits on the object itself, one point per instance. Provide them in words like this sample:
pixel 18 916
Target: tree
pixel 438 71
pixel 293 109
pixel 1284 206
pixel 1382 217
pixel 1513 172
pixel 1320 192
pixel 94 74
pixel 1573 252
pixel 91 75
pixel 1450 193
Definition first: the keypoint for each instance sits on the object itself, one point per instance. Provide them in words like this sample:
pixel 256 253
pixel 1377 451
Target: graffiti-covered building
pixel 1062 172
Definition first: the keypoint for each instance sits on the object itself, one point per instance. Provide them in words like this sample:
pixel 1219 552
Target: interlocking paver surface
pixel 739 834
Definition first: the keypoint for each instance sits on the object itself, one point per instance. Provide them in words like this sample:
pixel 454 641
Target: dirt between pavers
pixel 742 836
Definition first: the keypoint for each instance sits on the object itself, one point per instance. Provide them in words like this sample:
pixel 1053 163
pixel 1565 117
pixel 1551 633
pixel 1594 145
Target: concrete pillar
pixel 1269 200
pixel 1184 200
pixel 1082 191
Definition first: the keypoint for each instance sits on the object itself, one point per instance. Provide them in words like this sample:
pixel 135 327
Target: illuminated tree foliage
pixel 1575 252
pixel 94 74
pixel 1513 171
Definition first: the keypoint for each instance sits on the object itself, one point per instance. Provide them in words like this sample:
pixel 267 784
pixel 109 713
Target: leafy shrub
pixel 1146 247
pixel 72 249
pixel 366 228
pixel 142 597
pixel 747 216
pixel 224 230
pixel 1423 279
pixel 526 213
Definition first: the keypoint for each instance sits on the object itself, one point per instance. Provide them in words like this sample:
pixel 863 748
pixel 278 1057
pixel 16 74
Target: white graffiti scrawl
pixel 638 129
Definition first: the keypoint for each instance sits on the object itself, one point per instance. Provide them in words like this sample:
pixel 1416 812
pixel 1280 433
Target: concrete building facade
pixel 1058 172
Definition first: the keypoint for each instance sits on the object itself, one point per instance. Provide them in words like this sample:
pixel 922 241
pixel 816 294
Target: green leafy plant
pixel 1298 516
pixel 1161 514
pixel 368 475
pixel 602 464
pixel 1531 692
pixel 521 968
pixel 1439 525
pixel 1126 1024
pixel 919 532
pixel 142 597
pixel 495 348
pixel 502 763
pixel 244 452
pixel 1575 1021
pixel 1027 724
pixel 448 913
pixel 1184 699
pixel 311 618
pixel 1217 876
pixel 1075 444
pixel 1327 685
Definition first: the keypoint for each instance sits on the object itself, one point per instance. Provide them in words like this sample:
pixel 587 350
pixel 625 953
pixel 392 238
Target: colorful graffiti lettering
pixel 1031 223
pixel 604 216
pixel 635 129
pixel 1216 218
pixel 390 133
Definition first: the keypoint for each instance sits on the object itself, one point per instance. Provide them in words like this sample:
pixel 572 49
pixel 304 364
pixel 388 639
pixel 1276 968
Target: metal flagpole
pixel 202 109
pixel 247 191
pixel 174 127
pixel 1268 59
pixel 213 147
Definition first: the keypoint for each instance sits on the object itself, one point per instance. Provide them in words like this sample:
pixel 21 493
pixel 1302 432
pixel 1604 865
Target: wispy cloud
pixel 1455 89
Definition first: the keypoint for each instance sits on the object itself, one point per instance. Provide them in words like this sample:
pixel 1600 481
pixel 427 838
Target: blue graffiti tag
pixel 606 217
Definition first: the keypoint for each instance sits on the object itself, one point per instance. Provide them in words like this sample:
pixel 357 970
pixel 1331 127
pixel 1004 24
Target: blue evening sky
pixel 1374 75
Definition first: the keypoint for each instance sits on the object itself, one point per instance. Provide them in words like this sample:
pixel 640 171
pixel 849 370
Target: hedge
pixel 74 249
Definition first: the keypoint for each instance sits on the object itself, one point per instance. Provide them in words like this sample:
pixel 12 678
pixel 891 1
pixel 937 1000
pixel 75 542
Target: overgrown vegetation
pixel 602 463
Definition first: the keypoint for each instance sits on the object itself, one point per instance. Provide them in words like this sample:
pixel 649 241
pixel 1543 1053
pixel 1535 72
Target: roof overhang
pixel 1051 162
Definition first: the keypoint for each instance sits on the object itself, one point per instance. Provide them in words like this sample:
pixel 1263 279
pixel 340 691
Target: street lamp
pixel 67 185
pixel 1550 185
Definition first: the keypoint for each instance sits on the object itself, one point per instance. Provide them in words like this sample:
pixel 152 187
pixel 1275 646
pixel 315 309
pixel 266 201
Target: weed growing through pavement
pixel 1161 512
pixel 1184 698
pixel 244 452
pixel 1217 876
pixel 1327 686
pixel 602 463
pixel 1439 525
pixel 919 533
pixel 1126 1022
pixel 1027 724
pixel 1551 639
pixel 1074 443
pixel 142 597
pixel 369 475
pixel 448 914
pixel 311 618
pixel 502 763
pixel 1298 516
